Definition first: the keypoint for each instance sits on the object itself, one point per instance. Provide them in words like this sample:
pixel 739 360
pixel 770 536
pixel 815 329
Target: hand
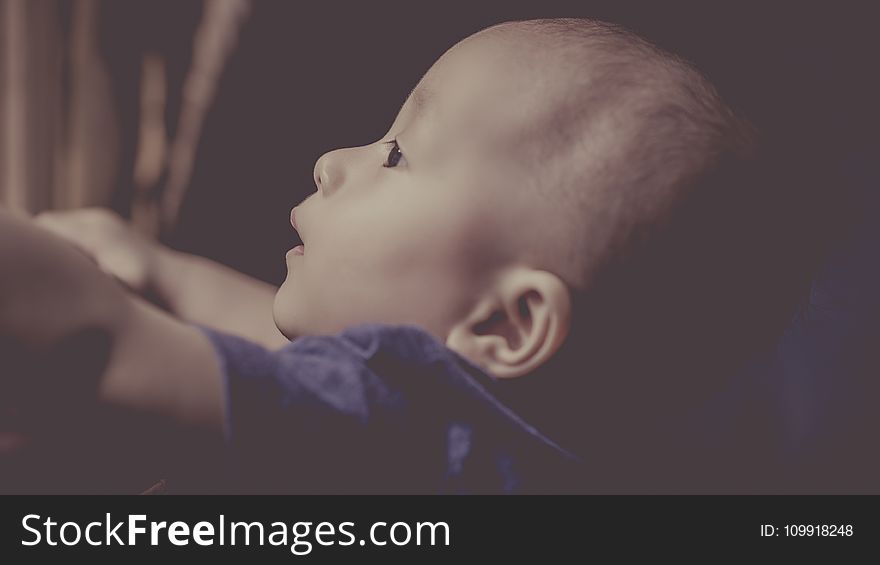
pixel 117 249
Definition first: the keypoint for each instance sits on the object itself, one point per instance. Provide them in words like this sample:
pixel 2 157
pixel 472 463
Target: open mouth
pixel 299 248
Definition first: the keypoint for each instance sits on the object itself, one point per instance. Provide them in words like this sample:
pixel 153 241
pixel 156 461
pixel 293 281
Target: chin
pixel 284 314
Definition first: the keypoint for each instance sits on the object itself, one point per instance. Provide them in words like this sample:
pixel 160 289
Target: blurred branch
pixel 215 39
pixel 12 111
pixel 63 143
pixel 58 144
pixel 92 153
pixel 30 102
pixel 152 146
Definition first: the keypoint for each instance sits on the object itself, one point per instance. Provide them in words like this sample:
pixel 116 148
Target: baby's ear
pixel 517 325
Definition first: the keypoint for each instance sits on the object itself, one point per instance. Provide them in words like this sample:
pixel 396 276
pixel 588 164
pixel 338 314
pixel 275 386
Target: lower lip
pixel 298 250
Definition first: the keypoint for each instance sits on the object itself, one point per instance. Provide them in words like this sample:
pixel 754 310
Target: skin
pixel 455 234
pixel 441 238
pixel 150 413
pixel 443 231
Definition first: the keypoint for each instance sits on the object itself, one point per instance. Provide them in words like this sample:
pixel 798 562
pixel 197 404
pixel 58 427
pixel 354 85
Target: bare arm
pixel 74 344
pixel 202 291
pixel 193 288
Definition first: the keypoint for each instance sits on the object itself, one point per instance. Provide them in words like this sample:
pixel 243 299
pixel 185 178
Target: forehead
pixel 481 86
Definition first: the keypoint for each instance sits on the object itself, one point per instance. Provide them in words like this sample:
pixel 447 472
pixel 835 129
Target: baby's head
pixel 523 188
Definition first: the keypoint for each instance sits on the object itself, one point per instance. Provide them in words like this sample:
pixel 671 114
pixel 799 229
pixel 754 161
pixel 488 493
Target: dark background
pixel 311 77
pixel 308 78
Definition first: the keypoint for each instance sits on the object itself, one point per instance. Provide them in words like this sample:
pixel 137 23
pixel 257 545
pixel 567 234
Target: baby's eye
pixel 394 154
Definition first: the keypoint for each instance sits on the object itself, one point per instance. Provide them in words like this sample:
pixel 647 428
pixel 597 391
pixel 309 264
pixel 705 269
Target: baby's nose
pixel 327 173
pixel 319 174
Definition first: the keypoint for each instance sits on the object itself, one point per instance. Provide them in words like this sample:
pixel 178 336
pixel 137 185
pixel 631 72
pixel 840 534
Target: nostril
pixel 323 179
pixel 317 173
pixel 329 173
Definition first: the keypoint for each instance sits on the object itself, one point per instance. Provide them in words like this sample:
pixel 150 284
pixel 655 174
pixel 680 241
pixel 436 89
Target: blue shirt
pixel 376 409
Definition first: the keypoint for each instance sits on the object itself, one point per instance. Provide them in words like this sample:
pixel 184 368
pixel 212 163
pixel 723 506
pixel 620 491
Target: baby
pixel 510 291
